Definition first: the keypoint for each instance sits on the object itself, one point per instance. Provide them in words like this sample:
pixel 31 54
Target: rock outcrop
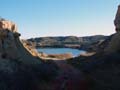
pixel 5 24
pixel 103 67
pixel 10 45
pixel 8 34
pixel 20 69
pixel 113 45
pixel 31 48
pixel 117 19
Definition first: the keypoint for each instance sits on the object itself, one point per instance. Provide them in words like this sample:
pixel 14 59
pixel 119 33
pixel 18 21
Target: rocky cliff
pixel 20 67
pixel 103 67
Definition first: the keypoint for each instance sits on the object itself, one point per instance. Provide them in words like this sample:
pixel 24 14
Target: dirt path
pixel 70 78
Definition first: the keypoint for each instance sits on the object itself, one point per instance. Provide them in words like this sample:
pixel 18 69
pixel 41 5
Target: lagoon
pixel 75 52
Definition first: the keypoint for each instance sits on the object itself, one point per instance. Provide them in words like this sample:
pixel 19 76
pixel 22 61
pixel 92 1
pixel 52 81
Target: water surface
pixel 75 52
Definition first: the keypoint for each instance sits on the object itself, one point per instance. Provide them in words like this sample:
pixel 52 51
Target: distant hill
pixel 67 41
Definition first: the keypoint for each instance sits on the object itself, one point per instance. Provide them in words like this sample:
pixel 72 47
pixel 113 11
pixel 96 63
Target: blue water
pixel 75 52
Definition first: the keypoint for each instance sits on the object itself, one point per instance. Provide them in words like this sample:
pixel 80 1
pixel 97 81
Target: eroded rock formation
pixel 20 69
pixel 8 34
pixel 5 24
pixel 9 41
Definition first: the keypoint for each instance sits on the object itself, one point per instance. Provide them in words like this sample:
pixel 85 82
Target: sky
pixel 38 18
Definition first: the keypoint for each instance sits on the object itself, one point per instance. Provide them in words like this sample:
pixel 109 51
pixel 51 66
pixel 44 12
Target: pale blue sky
pixel 36 18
